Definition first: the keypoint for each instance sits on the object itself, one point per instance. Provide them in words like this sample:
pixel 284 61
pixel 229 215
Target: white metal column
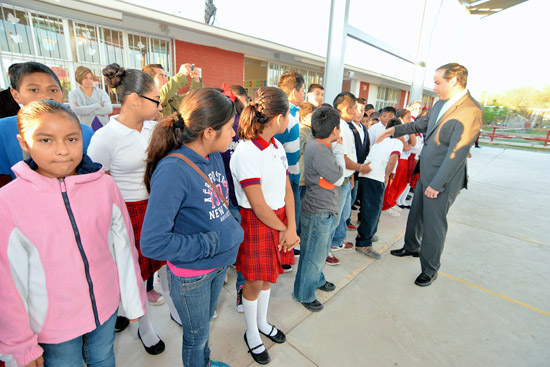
pixel 334 67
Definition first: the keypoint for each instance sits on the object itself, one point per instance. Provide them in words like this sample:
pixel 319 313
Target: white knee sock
pixel 263 305
pixel 146 331
pixel 401 199
pixel 166 294
pixel 250 317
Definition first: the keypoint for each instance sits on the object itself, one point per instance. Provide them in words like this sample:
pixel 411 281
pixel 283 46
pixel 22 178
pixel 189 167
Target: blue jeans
pixel 297 203
pixel 344 211
pixel 195 299
pixel 94 348
pixel 372 198
pixel 353 197
pixel 314 247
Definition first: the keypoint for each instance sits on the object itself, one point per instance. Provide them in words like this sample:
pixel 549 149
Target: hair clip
pixel 228 92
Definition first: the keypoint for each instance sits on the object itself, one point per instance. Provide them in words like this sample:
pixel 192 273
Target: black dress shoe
pixel 425 280
pixel 402 252
pixel 261 358
pixel 121 323
pixel 153 349
pixel 277 338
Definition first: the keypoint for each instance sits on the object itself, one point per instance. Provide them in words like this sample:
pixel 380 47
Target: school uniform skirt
pixel 258 257
pixel 137 209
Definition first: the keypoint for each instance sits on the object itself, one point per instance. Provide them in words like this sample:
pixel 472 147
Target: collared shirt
pixel 121 151
pixel 379 156
pixel 349 145
pixel 359 127
pixel 374 131
pixel 257 162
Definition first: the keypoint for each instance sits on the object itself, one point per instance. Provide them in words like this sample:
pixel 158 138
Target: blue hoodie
pixel 186 223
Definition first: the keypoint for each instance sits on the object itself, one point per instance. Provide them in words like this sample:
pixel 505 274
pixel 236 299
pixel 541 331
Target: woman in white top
pixel 121 148
pixel 92 105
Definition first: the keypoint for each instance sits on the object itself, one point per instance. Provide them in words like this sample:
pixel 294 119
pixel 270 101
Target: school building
pixel 69 33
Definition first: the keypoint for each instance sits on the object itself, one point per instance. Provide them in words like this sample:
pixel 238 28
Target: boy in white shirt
pixel 383 159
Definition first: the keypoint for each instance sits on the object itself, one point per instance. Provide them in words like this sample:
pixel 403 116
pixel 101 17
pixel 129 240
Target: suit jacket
pixel 447 144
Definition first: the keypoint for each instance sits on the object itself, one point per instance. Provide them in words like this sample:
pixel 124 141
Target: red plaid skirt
pixel 137 209
pixel 258 257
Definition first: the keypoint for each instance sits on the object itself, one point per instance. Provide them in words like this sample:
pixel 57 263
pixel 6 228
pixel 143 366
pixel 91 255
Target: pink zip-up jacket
pixel 67 259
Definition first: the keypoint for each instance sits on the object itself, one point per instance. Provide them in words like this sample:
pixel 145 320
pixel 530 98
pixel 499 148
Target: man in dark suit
pixel 451 127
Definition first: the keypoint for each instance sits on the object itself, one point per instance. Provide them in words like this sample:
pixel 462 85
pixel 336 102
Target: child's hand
pixel 365 168
pixel 288 240
pixel 38 362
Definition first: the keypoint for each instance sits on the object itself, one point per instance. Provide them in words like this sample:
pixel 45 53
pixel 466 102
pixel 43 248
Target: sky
pixel 502 51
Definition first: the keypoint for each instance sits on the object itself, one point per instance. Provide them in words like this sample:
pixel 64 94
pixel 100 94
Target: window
pixel 387 97
pixel 276 70
pixel 65 44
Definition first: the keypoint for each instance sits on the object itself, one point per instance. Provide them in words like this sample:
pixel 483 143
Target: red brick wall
pixel 346 85
pixel 364 91
pixel 218 66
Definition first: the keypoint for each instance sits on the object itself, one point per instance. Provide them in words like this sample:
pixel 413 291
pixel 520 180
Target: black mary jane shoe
pixel 277 338
pixel 153 349
pixel 261 358
pixel 121 323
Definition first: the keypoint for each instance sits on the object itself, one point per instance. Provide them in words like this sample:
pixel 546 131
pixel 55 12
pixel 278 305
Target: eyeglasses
pixel 150 99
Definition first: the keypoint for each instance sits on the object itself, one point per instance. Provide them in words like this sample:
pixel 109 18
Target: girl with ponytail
pixel 260 172
pixel 188 222
pixel 120 147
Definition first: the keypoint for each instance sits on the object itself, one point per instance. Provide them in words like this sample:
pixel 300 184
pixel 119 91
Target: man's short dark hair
pixel 20 71
pixel 453 70
pixel 315 86
pixel 150 69
pixel 388 109
pixel 344 97
pixel 393 122
pixel 369 107
pixel 323 122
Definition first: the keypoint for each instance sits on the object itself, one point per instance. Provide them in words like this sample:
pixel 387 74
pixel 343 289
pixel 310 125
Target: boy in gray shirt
pixel 324 173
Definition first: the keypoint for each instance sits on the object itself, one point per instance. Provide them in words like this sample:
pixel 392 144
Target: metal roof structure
pixel 488 7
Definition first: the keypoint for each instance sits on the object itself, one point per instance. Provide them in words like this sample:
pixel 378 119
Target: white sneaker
pixel 392 212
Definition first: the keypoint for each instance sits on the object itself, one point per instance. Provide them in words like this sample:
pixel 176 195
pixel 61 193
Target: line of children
pixel 383 157
pixel 188 222
pixel 67 256
pixel 120 147
pixel 260 171
pixel 324 173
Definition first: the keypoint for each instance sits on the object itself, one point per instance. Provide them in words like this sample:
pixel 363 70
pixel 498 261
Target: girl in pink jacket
pixel 67 256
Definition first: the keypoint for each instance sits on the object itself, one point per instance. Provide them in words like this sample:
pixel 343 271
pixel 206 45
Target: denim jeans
pixel 94 348
pixel 195 299
pixel 297 204
pixel 353 197
pixel 314 247
pixel 372 198
pixel 344 211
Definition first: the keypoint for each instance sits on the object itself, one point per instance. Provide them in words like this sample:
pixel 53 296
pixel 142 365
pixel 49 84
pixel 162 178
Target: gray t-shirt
pixel 324 169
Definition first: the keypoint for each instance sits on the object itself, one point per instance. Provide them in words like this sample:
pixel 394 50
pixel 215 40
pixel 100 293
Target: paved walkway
pixel 490 305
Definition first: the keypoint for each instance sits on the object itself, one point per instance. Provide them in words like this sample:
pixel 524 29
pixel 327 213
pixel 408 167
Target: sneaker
pixel 327 287
pixel 344 246
pixel 287 268
pixel 351 227
pixel 369 251
pixel 314 306
pixel 332 260
pixel 154 298
pixel 240 307
pixel 392 212
pixel 296 252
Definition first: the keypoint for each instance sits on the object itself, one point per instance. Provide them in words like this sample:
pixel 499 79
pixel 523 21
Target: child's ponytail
pixel 268 103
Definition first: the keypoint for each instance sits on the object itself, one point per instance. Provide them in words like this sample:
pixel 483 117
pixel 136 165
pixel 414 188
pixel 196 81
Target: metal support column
pixel 337 34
